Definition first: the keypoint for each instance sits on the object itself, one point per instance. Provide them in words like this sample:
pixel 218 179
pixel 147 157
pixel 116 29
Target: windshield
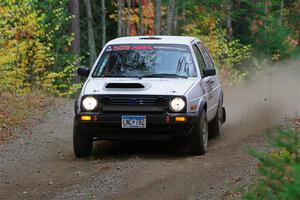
pixel 146 61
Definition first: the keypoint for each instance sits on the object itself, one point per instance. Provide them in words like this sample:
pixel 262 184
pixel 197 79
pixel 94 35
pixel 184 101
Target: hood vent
pixel 124 85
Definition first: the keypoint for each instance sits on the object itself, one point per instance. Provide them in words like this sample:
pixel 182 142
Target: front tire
pixel 198 138
pixel 82 143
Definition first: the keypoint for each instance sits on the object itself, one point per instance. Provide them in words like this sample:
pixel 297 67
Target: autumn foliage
pixel 27 51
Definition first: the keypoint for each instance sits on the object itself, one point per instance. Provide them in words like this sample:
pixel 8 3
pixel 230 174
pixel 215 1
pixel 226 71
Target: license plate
pixel 129 121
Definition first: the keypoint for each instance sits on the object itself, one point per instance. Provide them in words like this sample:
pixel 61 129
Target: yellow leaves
pixel 27 51
pixel 24 58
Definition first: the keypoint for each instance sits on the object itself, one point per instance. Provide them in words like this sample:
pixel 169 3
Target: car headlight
pixel 177 104
pixel 89 103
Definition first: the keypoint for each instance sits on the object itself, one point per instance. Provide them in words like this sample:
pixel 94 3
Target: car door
pixel 205 81
pixel 212 81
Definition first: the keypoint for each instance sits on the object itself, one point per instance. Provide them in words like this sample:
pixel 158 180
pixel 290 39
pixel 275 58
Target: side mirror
pixel 84 72
pixel 209 72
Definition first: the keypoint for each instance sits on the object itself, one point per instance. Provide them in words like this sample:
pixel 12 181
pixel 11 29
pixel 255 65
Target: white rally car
pixel 149 88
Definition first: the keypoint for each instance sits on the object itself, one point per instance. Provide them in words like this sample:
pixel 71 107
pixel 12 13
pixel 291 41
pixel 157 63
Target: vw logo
pixel 133 102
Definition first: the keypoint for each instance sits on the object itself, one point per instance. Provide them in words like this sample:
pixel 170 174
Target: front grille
pixel 134 103
pixel 133 100
pixel 140 108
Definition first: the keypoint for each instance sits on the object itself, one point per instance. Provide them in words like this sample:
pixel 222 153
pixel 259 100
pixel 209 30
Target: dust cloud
pixel 271 96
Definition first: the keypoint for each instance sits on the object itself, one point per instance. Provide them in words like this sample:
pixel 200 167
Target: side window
pixel 199 58
pixel 206 56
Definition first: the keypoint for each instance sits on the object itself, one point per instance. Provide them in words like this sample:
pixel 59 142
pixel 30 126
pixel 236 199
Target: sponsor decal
pixel 170 48
pixel 147 47
pixel 209 89
pixel 141 47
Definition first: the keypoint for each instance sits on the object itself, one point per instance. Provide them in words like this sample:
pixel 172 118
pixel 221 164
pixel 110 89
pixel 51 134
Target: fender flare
pixel 76 107
pixel 221 97
pixel 202 106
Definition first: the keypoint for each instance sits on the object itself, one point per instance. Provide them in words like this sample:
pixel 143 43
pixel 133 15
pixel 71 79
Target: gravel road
pixel 41 164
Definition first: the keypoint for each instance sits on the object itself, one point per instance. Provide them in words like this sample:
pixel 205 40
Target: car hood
pixel 151 86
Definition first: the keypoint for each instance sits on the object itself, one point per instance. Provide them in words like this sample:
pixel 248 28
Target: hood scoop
pixel 124 85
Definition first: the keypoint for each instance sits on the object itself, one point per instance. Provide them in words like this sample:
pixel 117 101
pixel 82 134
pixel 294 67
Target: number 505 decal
pixel 121 48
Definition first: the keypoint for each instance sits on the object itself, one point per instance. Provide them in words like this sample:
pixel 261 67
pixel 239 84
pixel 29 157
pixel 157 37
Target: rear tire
pixel 198 138
pixel 216 125
pixel 82 144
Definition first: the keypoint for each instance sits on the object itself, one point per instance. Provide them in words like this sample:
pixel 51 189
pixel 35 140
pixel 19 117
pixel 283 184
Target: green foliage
pixel 56 21
pixel 229 56
pixel 279 170
pixel 271 26
pixel 275 40
pixel 32 54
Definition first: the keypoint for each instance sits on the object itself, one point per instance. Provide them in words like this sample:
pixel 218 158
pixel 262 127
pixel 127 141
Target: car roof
pixel 153 40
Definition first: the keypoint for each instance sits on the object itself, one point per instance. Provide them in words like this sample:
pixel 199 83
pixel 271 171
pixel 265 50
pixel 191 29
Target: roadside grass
pixel 278 170
pixel 19 110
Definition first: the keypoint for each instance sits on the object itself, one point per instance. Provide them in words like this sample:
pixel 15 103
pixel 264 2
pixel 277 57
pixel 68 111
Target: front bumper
pixel 159 126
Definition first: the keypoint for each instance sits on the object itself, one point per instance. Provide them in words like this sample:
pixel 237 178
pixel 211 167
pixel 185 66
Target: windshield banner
pixel 147 47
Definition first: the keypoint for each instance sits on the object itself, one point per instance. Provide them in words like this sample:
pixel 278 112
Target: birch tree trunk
pixel 75 28
pixel 266 7
pixel 91 39
pixel 170 17
pixel 103 21
pixel 120 6
pixel 157 17
pixel 175 21
pixel 183 17
pixel 229 19
pixel 140 17
pixel 299 24
pixel 281 12
pixel 128 18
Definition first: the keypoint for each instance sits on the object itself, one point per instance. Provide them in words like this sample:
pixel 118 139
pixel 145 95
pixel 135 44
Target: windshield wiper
pixel 119 76
pixel 152 76
pixel 112 76
pixel 163 76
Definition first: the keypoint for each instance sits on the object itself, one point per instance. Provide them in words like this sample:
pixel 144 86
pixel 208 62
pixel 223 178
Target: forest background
pixel 43 42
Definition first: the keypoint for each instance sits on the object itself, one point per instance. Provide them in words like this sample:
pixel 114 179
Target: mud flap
pixel 224 115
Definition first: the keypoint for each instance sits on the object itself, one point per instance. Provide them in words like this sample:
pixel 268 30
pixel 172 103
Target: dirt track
pixel 43 166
